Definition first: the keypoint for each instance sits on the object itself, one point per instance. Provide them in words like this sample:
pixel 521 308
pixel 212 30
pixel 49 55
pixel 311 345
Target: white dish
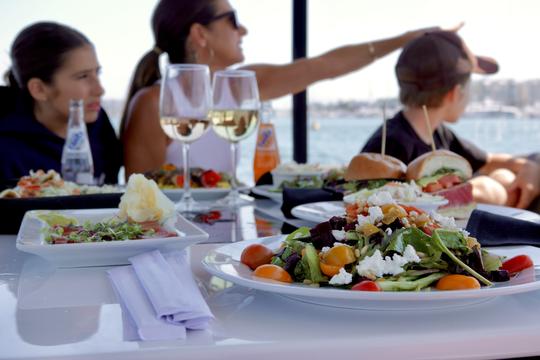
pixel 322 211
pixel 224 263
pixel 30 239
pixel 266 190
pixel 201 194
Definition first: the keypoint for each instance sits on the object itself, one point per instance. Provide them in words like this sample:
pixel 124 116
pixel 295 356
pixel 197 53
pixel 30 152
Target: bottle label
pixel 265 140
pixel 75 140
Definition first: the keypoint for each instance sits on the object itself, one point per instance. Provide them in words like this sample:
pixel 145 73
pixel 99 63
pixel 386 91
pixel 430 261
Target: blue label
pixel 75 140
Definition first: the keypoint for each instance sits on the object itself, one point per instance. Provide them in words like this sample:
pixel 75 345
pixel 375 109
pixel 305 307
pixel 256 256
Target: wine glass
pixel 184 105
pixel 235 116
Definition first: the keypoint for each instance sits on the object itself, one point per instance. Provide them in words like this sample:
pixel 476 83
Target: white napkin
pixel 159 296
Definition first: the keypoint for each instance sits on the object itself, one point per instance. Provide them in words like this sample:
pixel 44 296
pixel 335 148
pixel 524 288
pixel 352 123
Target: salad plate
pixel 322 211
pixel 201 194
pixel 224 262
pixel 31 239
pixel 268 191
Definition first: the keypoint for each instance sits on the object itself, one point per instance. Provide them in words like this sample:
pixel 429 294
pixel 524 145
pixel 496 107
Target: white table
pixel 47 313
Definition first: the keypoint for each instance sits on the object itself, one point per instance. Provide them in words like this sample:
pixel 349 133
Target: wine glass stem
pixel 186 197
pixel 234 186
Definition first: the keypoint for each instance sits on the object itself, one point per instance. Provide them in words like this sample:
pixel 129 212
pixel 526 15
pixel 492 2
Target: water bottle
pixel 266 151
pixel 77 162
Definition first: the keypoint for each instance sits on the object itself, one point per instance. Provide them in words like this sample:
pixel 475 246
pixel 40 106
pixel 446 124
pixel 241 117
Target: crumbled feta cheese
pixel 444 221
pixel 465 233
pixel 339 244
pixel 339 234
pixel 375 266
pixel 341 278
pixel 388 231
pixel 325 249
pixel 375 215
pixel 381 198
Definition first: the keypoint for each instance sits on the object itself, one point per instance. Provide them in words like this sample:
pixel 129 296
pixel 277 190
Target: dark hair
pixel 410 95
pixel 39 51
pixel 171 23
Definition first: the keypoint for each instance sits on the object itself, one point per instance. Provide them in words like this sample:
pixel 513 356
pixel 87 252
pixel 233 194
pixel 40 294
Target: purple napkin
pixel 159 297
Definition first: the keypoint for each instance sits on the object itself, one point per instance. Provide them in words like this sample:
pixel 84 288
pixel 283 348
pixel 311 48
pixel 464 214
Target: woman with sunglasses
pixel 208 32
pixel 52 64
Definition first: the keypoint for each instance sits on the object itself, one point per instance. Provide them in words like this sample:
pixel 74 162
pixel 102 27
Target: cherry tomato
pixel 457 282
pixel 210 178
pixel 409 208
pixel 339 256
pixel 214 215
pixel 517 264
pixel 179 180
pixel 329 270
pixel 432 187
pixel 255 255
pixel 449 180
pixel 366 285
pixel 274 272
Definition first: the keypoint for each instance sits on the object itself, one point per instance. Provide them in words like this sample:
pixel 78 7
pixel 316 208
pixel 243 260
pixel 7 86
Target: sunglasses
pixel 230 15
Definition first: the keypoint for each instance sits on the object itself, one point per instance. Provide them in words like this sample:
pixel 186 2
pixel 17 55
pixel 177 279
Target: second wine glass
pixel 235 115
pixel 184 106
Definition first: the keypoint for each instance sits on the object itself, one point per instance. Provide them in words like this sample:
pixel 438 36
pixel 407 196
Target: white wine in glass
pixel 234 115
pixel 184 106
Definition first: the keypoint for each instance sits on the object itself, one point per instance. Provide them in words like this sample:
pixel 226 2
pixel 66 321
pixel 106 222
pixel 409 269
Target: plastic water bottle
pixel 266 151
pixel 77 162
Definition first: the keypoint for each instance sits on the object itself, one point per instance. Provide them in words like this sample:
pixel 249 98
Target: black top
pixel 404 143
pixel 26 144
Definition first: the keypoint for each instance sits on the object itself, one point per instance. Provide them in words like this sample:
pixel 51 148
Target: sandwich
pixel 445 173
pixel 374 166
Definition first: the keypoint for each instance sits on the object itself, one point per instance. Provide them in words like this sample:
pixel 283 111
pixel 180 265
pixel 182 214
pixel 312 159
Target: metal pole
pixel 300 141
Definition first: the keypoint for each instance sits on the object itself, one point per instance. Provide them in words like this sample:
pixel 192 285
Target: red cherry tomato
pixel 449 180
pixel 432 187
pixel 210 178
pixel 409 208
pixel 366 285
pixel 214 215
pixel 255 255
pixel 179 180
pixel 517 264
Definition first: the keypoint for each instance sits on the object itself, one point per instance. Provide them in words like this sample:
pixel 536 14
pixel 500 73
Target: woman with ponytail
pixel 208 32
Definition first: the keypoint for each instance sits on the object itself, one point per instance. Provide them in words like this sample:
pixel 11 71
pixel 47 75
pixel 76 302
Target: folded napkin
pixel 294 197
pixel 159 296
pixel 496 230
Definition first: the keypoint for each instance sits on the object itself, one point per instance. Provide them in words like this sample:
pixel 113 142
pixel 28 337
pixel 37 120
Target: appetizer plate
pixel 201 194
pixel 31 239
pixel 322 211
pixel 224 263
pixel 269 192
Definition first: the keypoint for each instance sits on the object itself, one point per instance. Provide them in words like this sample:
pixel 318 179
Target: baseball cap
pixel 439 59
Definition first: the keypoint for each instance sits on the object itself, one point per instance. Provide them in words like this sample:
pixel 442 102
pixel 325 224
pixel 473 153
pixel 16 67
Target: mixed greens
pixel 393 246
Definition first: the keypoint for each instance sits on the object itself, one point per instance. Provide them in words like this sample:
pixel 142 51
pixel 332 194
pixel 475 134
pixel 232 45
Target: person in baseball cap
pixel 433 72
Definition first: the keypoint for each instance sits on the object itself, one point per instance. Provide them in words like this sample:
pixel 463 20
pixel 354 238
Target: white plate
pixel 322 211
pixel 224 263
pixel 201 194
pixel 30 239
pixel 426 205
pixel 265 190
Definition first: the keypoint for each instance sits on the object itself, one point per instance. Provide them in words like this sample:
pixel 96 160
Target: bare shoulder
pixel 144 106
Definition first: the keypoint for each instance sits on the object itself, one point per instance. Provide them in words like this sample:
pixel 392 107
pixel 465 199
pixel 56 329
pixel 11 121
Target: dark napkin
pixel 497 230
pixel 294 197
pixel 13 210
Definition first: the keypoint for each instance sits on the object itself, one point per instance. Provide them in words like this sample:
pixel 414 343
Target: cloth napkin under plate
pixel 498 230
pixel 294 197
pixel 159 297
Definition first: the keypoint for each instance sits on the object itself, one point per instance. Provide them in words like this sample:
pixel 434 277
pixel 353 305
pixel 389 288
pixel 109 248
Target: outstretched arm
pixel 278 80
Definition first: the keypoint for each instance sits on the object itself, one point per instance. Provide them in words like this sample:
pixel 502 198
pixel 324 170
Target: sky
pixel 504 29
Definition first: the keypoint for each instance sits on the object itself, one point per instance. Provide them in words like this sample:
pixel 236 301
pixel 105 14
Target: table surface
pixel 73 313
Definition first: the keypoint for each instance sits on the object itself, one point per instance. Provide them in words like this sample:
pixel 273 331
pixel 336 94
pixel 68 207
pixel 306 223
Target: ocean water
pixel 338 140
